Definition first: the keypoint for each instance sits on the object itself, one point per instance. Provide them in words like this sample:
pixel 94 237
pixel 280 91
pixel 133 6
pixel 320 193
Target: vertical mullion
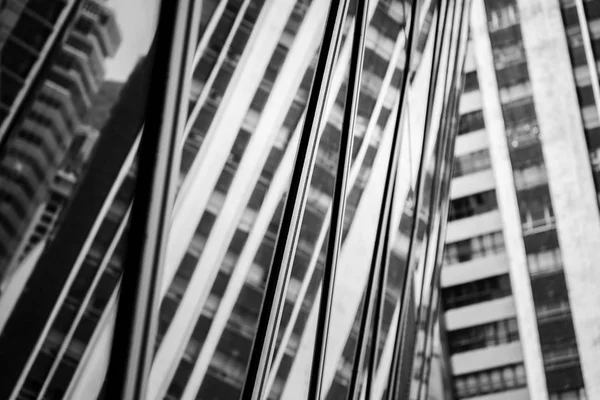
pixel 439 152
pixel 339 198
pixel 287 238
pixel 442 185
pixel 385 261
pixel 383 228
pixel 436 204
pixel 450 127
pixel 411 42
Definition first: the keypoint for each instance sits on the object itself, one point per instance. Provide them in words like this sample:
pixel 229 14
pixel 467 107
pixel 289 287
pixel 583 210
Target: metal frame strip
pixel 137 312
pixel 338 206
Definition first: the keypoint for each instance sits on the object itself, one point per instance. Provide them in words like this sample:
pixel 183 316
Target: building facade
pixel 519 282
pixel 253 68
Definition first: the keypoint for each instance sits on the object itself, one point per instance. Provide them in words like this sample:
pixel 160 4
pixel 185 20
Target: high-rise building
pixel 51 70
pixel 520 282
pixel 253 68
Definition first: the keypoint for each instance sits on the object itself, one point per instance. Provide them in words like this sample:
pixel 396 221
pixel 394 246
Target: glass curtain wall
pixel 158 157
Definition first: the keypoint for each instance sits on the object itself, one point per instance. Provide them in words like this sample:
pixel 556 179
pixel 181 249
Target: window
pixel 471 122
pixel 239 146
pixel 529 177
pixel 490 381
pixel 224 181
pixel 572 394
pixel 544 261
pixel 503 16
pixel 474 204
pixel 552 309
pixel 16 59
pixel 476 247
pixel 512 75
pixel 586 96
pixel 472 162
pixel 476 292
pixel 536 209
pixel 507 55
pixel 519 112
pixel 471 83
pixel 486 335
pixel 560 353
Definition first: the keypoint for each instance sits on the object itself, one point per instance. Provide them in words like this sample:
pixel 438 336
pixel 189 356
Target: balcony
pixel 532 225
pixel 486 358
pixel 549 311
pixel 474 226
pixel 472 183
pixel 475 269
pixel 480 313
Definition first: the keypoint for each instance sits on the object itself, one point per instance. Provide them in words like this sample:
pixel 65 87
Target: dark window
pixel 476 292
pixel 490 381
pixel 31 32
pixel 476 247
pixel 258 195
pixel 570 18
pixel 16 59
pixel 472 162
pixel 586 96
pixel 471 83
pixel 569 394
pixel 224 181
pixel 519 112
pixel 474 204
pixel 486 335
pixel 471 122
pixel 535 207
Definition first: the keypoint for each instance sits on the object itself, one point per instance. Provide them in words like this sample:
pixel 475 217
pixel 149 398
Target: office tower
pixel 520 282
pixel 51 71
pixel 253 68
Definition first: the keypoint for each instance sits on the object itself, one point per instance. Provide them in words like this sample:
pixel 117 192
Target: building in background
pixel 252 75
pixel 51 71
pixel 520 278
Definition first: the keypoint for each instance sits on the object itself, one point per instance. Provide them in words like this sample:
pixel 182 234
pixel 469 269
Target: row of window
pixel 536 210
pixel 471 122
pixel 490 381
pixel 530 176
pixel 476 292
pixel 472 205
pixel 485 335
pixel 572 394
pixel 472 162
pixel 544 261
pixel 472 248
